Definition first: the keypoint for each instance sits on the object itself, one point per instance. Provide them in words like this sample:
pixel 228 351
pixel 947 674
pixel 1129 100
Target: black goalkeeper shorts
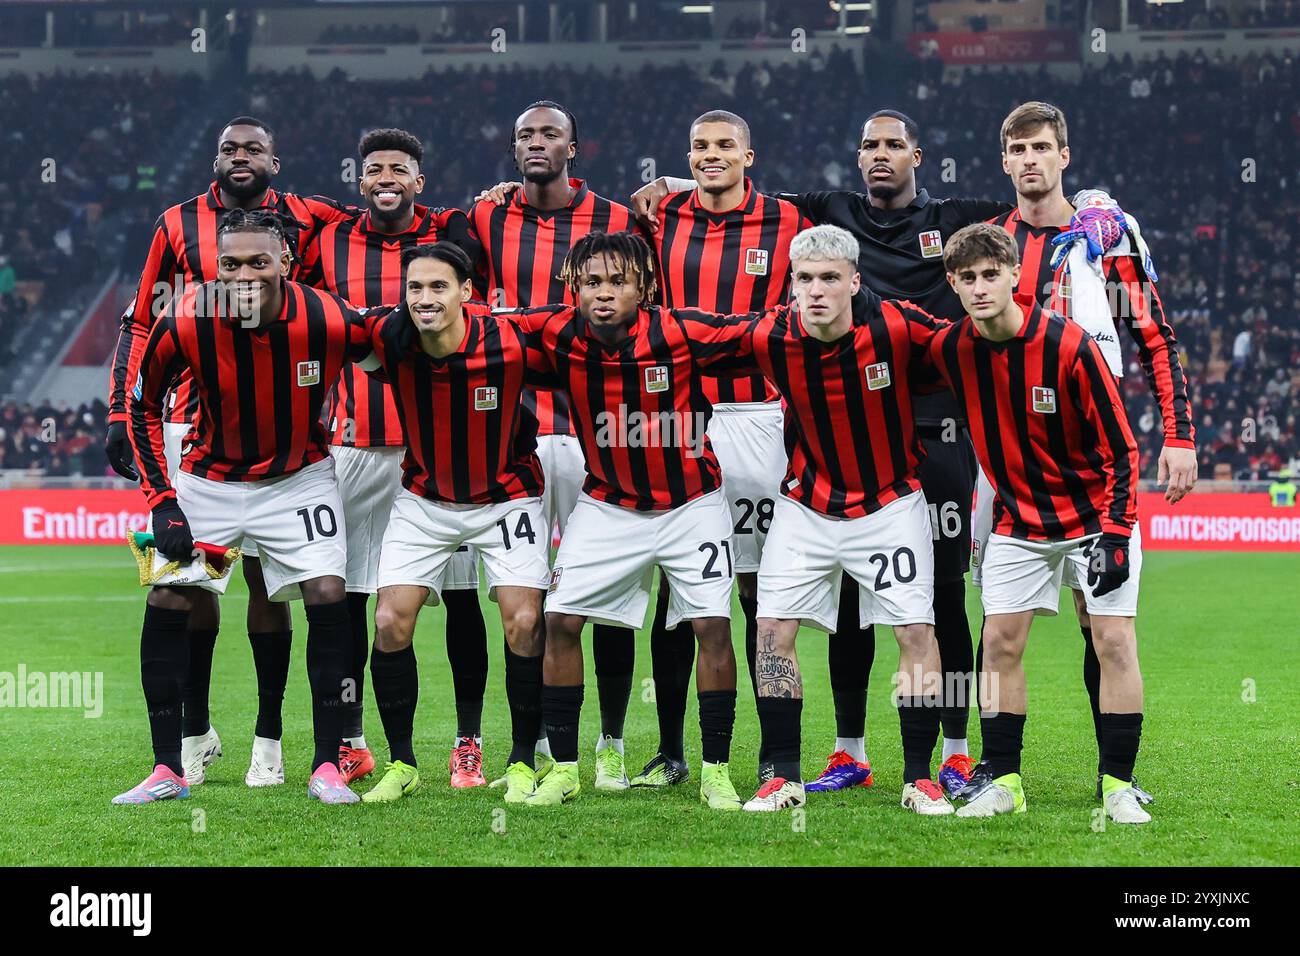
pixel 948 482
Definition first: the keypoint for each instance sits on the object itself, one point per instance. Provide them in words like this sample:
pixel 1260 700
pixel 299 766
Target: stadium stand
pixel 1225 242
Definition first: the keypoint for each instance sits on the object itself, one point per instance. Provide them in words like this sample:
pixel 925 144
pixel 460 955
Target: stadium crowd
pixel 1214 187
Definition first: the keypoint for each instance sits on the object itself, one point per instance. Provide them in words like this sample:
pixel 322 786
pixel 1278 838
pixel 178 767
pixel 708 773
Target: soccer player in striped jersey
pixel 722 247
pixel 527 230
pixel 851 502
pixel 360 260
pixel 183 253
pixel 1049 427
pixel 1035 152
pixel 652 496
pixel 262 353
pixel 470 475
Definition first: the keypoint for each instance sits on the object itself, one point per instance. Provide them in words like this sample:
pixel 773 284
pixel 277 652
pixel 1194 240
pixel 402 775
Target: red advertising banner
pixel 997 46
pixel 1217 522
pixel 71 516
pixel 1200 522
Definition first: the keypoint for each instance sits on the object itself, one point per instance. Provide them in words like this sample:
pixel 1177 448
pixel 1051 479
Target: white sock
pixel 605 741
pixel 855 747
pixel 356 743
pixel 477 738
pixel 543 746
pixel 954 745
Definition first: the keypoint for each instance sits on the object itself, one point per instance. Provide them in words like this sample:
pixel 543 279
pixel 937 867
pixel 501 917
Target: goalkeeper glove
pixel 1108 564
pixel 120 454
pixel 1101 226
pixel 171 531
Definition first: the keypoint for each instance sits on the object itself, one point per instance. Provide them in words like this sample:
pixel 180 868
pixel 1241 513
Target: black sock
pixel 198 682
pixel 717 720
pixel 918 719
pixel 395 682
pixel 749 607
pixel 779 720
pixel 468 656
pixel 328 635
pixel 271 653
pixel 979 666
pixel 1120 736
pixel 666 667
pixel 613 651
pixel 956 658
pixel 164 659
pixel 1004 736
pixel 359 651
pixel 1092 681
pixel 561 709
pixel 524 696
pixel 852 649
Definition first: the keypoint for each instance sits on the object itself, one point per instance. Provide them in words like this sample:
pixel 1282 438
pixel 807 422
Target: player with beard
pixel 527 229
pixel 1035 152
pixel 361 260
pixel 262 352
pixel 900 231
pixel 183 253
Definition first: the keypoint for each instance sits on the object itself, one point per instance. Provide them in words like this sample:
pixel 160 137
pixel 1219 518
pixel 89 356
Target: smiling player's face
pixel 719 156
pixel 252 265
pixel 390 181
pixel 608 297
pixel 434 295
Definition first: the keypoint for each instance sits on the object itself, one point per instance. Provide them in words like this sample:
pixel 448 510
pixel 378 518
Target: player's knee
pixel 775 637
pixel 393 628
pixel 1116 646
pixel 324 590
pixel 522 629
pixel 175 599
pixel 1003 647
pixel 916 638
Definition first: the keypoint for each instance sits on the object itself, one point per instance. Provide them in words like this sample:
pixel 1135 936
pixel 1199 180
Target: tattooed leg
pixel 777 665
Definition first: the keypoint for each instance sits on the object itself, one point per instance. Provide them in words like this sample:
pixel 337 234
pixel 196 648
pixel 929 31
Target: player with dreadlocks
pixel 262 353
pixel 652 496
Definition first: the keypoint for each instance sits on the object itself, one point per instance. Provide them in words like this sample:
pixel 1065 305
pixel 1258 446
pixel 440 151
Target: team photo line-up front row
pixel 729 393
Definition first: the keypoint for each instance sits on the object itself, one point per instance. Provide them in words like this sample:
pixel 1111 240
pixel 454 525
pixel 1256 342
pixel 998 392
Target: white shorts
pixel 296 521
pixel 749 440
pixel 981 525
pixel 890 553
pixel 368 482
pixel 605 565
pixel 424 537
pixel 173 444
pixel 1027 576
pixel 564 470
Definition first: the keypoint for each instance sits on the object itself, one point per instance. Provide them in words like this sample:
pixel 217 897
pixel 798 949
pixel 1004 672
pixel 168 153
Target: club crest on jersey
pixel 931 244
pixel 1044 400
pixel 308 374
pixel 756 262
pixel 656 379
pixel 877 376
pixel 485 398
pixel 555 580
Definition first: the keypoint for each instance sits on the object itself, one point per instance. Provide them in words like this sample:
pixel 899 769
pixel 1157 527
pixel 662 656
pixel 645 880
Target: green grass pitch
pixel 1217 641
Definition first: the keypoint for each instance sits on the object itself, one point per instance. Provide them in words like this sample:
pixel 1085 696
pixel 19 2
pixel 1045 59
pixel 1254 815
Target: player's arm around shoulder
pixel 720 344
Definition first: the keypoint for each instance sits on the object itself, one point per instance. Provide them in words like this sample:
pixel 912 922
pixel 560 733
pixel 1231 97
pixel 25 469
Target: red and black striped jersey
pixel 1135 304
pixel 733 261
pixel 469 440
pixel 364 265
pixel 259 391
pixel 523 250
pixel 183 253
pixel 850 433
pixel 1048 425
pixel 638 407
